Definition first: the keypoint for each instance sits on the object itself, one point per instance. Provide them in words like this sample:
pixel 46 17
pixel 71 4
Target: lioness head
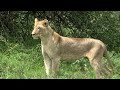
pixel 40 28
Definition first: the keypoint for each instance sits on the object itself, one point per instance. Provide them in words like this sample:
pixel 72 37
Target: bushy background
pixel 20 54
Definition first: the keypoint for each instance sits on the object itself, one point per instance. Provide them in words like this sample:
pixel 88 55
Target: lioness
pixel 56 48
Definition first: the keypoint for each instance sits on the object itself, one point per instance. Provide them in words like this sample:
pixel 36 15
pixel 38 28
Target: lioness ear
pixel 36 20
pixel 45 23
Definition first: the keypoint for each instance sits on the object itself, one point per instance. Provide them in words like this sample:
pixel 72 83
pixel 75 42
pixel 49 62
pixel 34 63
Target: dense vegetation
pixel 20 55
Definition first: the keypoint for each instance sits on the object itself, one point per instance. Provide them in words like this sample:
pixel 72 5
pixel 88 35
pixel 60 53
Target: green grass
pixel 19 62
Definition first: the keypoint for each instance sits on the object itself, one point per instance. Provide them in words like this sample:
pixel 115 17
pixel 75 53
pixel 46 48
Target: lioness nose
pixel 33 33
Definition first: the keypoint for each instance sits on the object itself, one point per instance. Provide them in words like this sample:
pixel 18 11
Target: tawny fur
pixel 56 48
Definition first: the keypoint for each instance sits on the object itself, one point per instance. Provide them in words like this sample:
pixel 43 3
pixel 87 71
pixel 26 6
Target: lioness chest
pixel 51 49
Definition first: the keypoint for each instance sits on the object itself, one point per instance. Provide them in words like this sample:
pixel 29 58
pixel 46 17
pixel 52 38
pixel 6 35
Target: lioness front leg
pixel 48 65
pixel 55 66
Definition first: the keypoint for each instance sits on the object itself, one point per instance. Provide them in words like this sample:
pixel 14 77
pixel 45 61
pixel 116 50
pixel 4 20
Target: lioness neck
pixel 51 37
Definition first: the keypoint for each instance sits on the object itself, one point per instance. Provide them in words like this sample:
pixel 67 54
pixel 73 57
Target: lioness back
pixel 75 48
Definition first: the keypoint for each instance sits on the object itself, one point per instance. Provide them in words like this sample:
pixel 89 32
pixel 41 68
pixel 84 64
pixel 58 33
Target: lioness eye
pixel 39 28
pixel 45 23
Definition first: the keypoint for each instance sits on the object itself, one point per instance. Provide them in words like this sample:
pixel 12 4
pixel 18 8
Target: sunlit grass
pixel 22 63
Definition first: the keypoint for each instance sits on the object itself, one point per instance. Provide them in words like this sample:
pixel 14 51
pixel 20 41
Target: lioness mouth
pixel 35 37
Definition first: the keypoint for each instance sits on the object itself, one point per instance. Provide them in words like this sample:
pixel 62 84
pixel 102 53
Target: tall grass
pixel 19 62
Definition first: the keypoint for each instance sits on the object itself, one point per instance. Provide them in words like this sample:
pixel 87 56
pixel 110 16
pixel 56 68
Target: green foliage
pixel 20 63
pixel 16 26
pixel 21 55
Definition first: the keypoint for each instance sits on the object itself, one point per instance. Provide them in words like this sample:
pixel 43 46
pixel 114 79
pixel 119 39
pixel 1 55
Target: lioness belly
pixel 71 54
pixel 70 57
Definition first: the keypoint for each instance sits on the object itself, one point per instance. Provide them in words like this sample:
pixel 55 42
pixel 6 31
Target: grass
pixel 19 62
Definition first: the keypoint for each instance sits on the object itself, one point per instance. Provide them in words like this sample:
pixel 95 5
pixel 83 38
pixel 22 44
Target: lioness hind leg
pixel 95 57
pixel 96 64
pixel 100 70
pixel 106 71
